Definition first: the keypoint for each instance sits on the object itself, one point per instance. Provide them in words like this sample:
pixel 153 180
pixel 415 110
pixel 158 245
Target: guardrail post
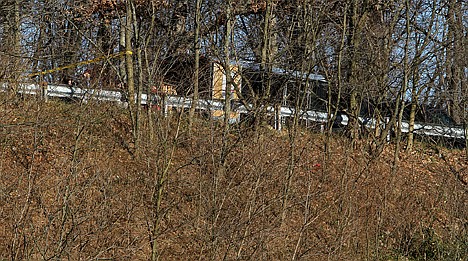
pixel 164 106
pixel 387 120
pixel 43 88
pixel 278 118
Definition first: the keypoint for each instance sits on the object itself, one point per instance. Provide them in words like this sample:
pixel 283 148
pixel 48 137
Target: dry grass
pixel 71 187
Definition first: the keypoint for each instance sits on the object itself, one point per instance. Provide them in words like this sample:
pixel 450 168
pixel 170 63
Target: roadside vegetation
pixel 73 186
pixel 89 180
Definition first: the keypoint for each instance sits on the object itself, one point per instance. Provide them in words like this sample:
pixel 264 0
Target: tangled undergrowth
pixel 72 186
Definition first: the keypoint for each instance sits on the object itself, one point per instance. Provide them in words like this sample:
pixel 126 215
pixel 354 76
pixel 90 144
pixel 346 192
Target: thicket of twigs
pixel 73 187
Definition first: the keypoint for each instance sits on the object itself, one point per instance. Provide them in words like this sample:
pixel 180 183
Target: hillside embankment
pixel 73 186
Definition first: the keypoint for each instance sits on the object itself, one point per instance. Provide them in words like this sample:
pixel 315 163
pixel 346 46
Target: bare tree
pixel 197 47
pixel 10 40
pixel 425 50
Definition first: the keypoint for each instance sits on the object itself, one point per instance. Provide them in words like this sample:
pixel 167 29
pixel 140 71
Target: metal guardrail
pixel 64 91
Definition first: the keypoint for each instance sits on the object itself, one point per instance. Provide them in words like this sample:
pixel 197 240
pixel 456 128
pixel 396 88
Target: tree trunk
pixel 227 67
pixel 140 79
pixel 265 62
pixel 333 107
pixel 355 41
pixel 402 93
pixel 150 73
pixel 11 38
pixel 421 54
pixel 455 36
pixel 414 106
pixel 196 76
pixel 129 64
pixel 412 116
pixel 122 48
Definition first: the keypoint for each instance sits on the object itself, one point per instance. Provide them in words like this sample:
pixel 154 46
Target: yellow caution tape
pixel 115 55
